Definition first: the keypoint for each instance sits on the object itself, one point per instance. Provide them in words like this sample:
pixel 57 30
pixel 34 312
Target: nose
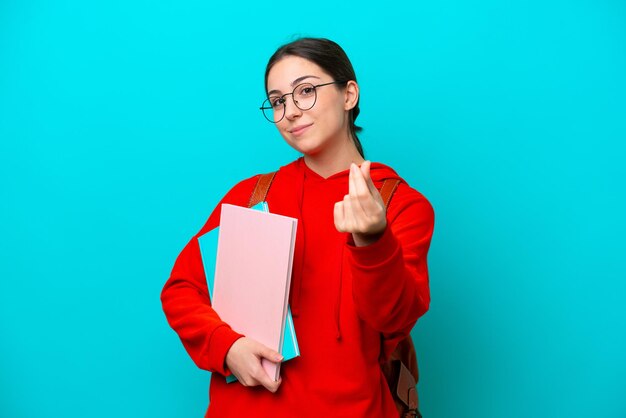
pixel 291 110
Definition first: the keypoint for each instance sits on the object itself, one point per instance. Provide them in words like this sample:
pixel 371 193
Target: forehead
pixel 288 69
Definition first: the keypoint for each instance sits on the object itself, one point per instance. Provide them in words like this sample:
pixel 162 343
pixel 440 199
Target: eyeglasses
pixel 304 97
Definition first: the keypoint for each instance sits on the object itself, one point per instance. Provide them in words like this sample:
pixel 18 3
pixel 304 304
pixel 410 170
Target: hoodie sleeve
pixel 185 297
pixel 390 276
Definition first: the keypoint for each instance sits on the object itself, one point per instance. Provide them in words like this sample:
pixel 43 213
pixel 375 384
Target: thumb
pixel 268 353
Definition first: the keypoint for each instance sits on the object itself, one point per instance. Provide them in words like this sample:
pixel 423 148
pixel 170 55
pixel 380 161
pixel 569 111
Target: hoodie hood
pixel 378 172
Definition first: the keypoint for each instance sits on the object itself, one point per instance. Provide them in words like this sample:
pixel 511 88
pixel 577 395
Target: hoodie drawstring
pixel 338 295
pixel 295 300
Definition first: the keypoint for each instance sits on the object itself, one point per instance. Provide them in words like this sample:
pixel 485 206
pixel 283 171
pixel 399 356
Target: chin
pixel 305 146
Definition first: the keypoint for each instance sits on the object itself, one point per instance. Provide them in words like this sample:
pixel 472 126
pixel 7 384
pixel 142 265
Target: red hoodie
pixel 351 305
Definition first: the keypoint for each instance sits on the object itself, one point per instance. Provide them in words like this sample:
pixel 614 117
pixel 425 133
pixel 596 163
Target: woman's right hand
pixel 244 361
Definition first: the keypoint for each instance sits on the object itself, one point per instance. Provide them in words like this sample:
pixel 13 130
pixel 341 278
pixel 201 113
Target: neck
pixel 332 161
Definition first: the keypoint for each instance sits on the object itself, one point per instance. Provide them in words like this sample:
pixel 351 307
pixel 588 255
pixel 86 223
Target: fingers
pixel 358 186
pixel 365 169
pixel 362 210
pixel 266 381
pixel 365 193
pixel 350 219
pixel 244 359
pixel 339 217
pixel 269 354
pixel 345 219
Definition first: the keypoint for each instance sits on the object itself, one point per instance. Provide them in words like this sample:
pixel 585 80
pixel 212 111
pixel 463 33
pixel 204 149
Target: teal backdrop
pixel 122 123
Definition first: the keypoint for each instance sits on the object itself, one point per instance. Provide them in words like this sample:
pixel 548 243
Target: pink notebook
pixel 253 275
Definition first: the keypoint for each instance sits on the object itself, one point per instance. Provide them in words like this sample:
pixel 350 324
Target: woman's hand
pixel 244 361
pixel 362 211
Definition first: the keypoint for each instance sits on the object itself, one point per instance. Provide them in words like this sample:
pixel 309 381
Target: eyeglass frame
pixel 294 101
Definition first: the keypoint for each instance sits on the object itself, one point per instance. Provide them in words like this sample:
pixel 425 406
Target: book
pixel 251 254
pixel 290 348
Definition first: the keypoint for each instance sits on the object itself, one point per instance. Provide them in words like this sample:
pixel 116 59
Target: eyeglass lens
pixel 304 96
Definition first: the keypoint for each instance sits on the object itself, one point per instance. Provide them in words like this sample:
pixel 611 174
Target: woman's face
pixel 324 125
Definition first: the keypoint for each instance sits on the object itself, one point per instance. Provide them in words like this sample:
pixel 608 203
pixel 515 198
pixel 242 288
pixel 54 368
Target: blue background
pixel 123 122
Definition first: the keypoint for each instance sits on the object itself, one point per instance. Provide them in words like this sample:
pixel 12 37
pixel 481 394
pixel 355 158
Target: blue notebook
pixel 208 252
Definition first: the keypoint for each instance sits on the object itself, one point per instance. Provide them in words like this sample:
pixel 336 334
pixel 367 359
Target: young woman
pixel 360 277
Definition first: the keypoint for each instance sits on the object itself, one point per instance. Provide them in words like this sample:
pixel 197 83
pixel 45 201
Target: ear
pixel 351 95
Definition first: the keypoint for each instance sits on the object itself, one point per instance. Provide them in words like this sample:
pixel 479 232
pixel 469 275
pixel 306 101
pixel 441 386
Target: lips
pixel 298 130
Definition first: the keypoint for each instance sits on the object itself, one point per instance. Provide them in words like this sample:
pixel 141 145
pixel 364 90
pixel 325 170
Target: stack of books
pixel 247 263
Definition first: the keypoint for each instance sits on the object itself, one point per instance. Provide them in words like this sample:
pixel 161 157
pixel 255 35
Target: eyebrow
pixel 294 83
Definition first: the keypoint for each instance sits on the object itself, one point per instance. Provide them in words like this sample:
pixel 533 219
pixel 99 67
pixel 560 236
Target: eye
pixel 277 102
pixel 307 91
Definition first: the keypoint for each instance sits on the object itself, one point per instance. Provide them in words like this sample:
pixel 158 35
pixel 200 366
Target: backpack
pixel 400 370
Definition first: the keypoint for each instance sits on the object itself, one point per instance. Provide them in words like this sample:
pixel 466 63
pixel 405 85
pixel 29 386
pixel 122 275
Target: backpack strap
pixel 388 189
pixel 261 188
